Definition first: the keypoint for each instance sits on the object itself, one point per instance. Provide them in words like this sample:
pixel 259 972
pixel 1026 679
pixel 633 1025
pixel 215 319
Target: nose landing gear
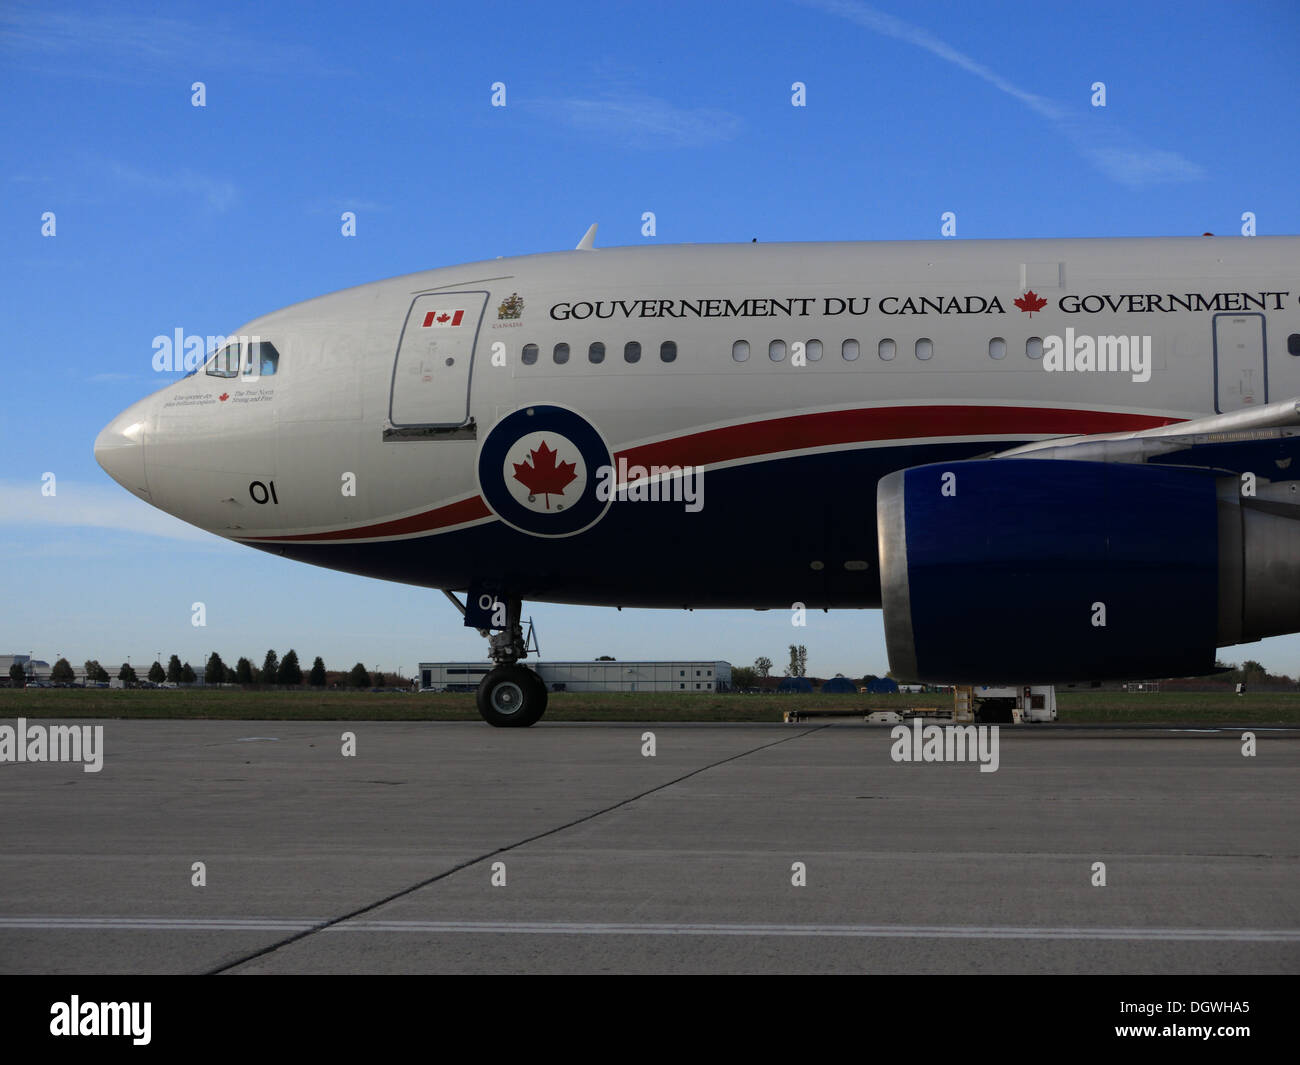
pixel 511 695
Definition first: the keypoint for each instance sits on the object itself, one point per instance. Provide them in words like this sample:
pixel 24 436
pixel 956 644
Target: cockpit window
pixel 225 363
pixel 263 358
pixel 245 358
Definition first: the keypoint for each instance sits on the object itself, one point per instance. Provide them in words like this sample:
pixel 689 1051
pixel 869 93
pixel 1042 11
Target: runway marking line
pixel 587 928
pixel 324 925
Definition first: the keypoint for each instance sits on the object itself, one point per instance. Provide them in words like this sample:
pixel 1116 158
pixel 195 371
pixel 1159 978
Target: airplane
pixel 1044 460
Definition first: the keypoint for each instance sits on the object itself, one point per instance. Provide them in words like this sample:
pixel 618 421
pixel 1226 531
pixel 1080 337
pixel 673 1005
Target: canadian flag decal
pixel 443 319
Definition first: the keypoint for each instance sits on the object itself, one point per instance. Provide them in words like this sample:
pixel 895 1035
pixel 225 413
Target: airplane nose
pixel 119 449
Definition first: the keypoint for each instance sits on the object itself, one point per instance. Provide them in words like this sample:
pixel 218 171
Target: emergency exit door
pixel 435 356
pixel 1240 371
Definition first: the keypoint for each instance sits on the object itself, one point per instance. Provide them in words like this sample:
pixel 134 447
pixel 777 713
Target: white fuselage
pixel 368 441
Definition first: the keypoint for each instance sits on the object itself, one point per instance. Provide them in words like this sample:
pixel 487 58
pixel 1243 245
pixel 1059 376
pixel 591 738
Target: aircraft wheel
pixel 511 697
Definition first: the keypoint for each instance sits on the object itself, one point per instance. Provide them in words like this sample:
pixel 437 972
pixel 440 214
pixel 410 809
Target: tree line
pixel 749 676
pixel 280 672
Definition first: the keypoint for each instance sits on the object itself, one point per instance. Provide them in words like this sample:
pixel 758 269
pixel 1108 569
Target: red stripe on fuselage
pixel 797 432
pixel 802 431
pixel 458 513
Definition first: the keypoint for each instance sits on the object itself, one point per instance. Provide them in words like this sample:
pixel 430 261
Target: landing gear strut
pixel 511 695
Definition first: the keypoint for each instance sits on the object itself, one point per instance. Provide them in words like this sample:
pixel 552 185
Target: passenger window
pixel 632 351
pixel 1034 347
pixel 740 350
pixel 668 351
pixel 560 354
pixel 225 363
pixel 887 349
pixel 776 350
pixel 924 348
pixel 997 348
pixel 529 355
pixel 850 350
pixel 1293 344
pixel 813 350
pixel 264 357
pixel 596 352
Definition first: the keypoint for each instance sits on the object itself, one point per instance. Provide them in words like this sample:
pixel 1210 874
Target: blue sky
pixel 171 216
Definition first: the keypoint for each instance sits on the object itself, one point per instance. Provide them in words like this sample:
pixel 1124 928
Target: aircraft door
pixel 435 357
pixel 1240 371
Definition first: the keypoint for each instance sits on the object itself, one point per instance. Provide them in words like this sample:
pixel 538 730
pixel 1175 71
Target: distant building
pixel 33 667
pixel 839 686
pixel 883 686
pixel 7 661
pixel 794 684
pixel 701 677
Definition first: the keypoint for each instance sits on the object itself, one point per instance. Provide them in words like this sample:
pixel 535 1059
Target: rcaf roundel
pixel 538 470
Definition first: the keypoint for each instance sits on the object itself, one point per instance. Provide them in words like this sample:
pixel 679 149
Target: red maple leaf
pixel 544 477
pixel 224 396
pixel 1031 301
pixel 443 317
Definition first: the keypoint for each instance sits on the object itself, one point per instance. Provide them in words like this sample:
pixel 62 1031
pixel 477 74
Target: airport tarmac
pixel 681 862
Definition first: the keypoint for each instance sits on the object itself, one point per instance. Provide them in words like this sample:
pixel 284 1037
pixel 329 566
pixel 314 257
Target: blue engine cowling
pixel 1045 570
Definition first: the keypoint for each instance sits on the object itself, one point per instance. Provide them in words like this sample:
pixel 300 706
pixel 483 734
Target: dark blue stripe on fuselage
pixel 751 545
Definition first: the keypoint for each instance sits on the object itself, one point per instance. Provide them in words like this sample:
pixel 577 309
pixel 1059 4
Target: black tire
pixel 511 697
pixel 542 694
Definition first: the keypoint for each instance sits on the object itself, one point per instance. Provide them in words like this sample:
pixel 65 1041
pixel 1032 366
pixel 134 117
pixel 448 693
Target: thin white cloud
pixel 642 121
pixel 134 46
pixel 1114 152
pixel 88 505
pixel 33 31
pixel 1122 159
pixel 335 205
pixel 79 549
pixel 218 195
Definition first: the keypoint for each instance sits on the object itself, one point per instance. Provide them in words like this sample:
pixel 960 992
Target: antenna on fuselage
pixel 588 240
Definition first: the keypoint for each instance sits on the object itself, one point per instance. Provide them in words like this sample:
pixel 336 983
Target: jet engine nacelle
pixel 1045 570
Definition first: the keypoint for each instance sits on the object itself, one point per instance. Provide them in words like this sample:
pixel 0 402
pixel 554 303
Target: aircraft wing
pixel 1239 440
